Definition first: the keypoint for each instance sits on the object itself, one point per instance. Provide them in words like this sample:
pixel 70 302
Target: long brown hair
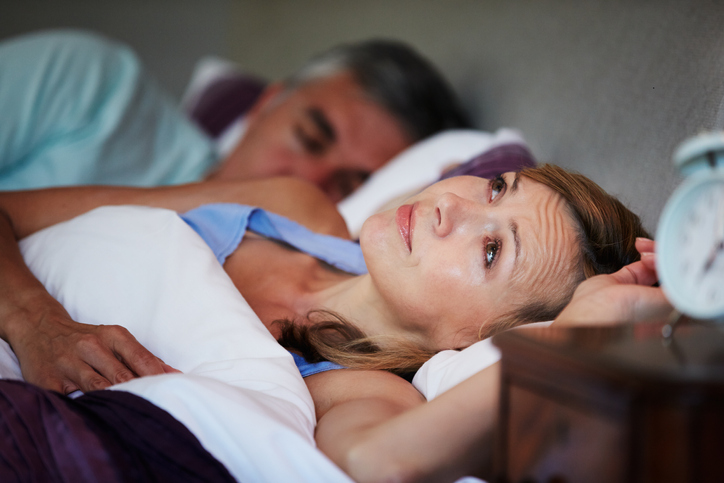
pixel 606 232
pixel 326 335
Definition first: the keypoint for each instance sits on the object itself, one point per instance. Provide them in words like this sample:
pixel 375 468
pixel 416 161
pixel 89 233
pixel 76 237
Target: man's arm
pixel 60 354
pixel 30 211
pixel 39 330
pixel 377 427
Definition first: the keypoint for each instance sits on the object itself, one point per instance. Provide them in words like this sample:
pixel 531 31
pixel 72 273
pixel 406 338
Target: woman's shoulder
pixel 332 388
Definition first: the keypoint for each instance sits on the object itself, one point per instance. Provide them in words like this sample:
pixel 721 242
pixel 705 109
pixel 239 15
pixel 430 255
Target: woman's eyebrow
pixel 514 186
pixel 320 119
pixel 516 240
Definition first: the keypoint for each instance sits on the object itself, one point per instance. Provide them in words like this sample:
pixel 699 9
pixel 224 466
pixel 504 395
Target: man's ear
pixel 269 93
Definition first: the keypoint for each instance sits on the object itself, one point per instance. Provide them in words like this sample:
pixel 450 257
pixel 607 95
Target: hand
pixel 624 296
pixel 60 354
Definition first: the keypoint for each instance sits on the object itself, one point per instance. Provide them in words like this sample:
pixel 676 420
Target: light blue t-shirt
pixel 79 109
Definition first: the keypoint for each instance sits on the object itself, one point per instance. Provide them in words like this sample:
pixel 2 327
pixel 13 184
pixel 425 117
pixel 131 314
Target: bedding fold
pixel 104 436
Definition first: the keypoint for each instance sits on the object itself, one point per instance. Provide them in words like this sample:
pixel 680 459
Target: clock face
pixel 690 246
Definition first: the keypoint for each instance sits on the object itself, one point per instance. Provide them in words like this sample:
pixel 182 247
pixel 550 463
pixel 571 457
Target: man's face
pixel 325 131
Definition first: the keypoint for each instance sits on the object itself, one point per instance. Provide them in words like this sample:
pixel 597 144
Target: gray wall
pixel 603 86
pixel 169 35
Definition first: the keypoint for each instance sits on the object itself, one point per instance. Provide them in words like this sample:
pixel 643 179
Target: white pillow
pixel 147 270
pixel 417 167
pixel 451 367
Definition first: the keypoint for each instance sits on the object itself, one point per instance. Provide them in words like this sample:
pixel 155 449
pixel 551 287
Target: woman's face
pixel 467 250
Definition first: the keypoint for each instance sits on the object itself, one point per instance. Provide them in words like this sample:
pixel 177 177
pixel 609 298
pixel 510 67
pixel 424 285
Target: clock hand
pixel 712 257
pixel 718 238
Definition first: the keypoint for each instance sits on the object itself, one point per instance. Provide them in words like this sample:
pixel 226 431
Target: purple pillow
pixel 494 162
pixel 224 100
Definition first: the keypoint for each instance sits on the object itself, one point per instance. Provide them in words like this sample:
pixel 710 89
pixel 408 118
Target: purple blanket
pixel 108 436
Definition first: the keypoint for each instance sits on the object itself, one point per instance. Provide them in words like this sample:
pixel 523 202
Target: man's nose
pixel 453 212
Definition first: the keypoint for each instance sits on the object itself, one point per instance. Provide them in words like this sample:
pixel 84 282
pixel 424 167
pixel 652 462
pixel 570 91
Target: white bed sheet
pixel 241 393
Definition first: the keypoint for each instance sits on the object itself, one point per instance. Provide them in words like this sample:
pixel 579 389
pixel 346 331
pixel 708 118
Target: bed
pixel 240 392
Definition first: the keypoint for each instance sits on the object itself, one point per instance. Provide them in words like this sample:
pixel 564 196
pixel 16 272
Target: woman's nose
pixel 452 211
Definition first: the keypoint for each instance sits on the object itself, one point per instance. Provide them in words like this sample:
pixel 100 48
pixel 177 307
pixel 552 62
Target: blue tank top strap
pixel 311 368
pixel 222 226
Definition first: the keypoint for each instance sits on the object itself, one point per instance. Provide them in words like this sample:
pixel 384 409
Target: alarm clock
pixel 690 235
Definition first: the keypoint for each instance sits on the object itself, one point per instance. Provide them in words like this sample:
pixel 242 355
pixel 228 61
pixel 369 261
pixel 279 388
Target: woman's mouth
pixel 403 217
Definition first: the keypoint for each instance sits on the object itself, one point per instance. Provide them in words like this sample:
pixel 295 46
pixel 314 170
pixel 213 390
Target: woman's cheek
pixel 443 281
pixel 453 268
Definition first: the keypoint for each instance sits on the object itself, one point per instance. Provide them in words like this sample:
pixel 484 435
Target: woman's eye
pixel 497 186
pixel 491 252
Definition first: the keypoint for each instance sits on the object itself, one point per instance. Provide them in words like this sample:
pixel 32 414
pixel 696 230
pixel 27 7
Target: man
pixel 79 109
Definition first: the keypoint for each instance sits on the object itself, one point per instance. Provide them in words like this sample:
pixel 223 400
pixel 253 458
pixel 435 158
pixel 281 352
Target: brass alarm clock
pixel 690 235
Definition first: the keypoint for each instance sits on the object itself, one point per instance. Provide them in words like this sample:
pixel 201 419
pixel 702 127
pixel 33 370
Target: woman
pixel 516 246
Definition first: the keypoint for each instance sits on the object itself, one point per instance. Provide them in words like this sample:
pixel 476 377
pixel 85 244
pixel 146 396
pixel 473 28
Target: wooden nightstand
pixel 616 404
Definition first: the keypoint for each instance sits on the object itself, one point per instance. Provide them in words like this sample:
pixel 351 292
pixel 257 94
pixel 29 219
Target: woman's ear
pixel 268 95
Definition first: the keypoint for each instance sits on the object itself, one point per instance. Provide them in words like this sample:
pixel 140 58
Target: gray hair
pixel 392 74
